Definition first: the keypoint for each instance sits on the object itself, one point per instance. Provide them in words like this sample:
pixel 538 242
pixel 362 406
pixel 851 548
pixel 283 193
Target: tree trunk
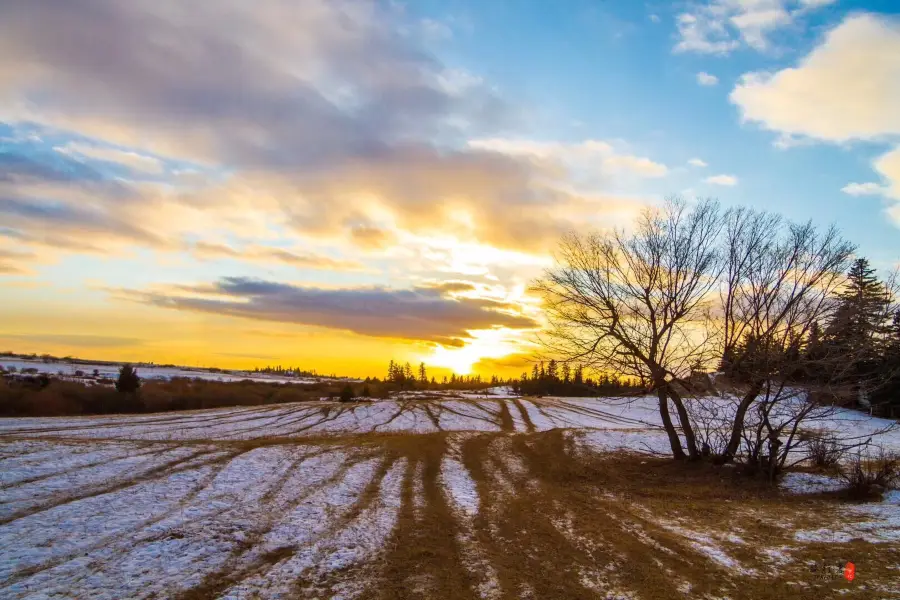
pixel 686 427
pixel 737 425
pixel 674 440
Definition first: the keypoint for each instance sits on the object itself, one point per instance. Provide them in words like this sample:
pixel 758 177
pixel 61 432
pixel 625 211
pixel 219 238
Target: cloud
pixel 418 313
pixel 596 153
pixel 704 78
pixel 232 94
pixel 133 160
pixel 888 166
pixel 76 340
pixel 240 84
pixel 453 287
pixel 847 88
pixel 702 33
pixel 864 189
pixel 263 254
pixel 727 180
pixel 11 262
pixel 697 162
pixel 722 26
pixel 513 361
pixel 371 237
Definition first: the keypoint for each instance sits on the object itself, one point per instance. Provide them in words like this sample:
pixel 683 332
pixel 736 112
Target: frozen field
pixel 456 498
pixel 112 371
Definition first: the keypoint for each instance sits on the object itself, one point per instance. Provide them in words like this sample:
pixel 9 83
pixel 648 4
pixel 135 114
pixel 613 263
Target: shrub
pixel 347 394
pixel 867 476
pixel 823 451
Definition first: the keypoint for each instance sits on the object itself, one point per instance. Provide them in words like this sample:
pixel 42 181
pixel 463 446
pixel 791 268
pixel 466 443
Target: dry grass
pixel 556 521
pixel 579 525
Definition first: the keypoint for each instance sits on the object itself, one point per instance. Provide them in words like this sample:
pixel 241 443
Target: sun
pixel 486 343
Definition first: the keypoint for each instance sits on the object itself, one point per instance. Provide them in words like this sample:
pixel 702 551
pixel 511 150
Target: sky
pixel 336 183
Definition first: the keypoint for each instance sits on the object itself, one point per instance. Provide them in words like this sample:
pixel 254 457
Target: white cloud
pixel 847 88
pixel 727 180
pixel 704 78
pixel 698 162
pixel 888 166
pixel 864 189
pixel 589 154
pixel 703 34
pixel 134 160
pixel 436 30
pixel 654 18
pixel 721 26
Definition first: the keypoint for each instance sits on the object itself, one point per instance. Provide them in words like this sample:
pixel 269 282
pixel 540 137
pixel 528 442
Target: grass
pixel 556 521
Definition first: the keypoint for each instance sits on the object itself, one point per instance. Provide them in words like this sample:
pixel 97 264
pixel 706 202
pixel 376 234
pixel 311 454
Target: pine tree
pixel 859 326
pixel 552 370
pixel 392 372
pixel 423 376
pixel 128 382
pixel 347 394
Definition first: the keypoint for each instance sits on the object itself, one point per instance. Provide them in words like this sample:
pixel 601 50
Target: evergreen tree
pixel 888 392
pixel 552 370
pixel 423 376
pixel 859 327
pixel 128 381
pixel 347 394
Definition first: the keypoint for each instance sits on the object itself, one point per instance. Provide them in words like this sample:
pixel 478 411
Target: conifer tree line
pixel 562 379
pixel 546 378
pixel 852 351
pixel 408 377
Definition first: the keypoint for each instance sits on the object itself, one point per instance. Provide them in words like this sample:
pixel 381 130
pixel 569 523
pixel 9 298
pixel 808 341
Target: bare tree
pixel 779 282
pixel 635 303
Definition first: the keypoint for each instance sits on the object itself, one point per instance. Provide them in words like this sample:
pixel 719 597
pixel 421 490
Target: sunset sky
pixel 332 184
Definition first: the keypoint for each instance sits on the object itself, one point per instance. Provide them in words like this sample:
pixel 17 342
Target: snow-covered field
pixel 146 372
pixel 324 500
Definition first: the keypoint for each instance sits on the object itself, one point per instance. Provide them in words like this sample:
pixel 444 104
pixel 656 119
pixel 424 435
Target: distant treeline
pixel 556 379
pixel 49 395
pixel 292 372
pixel 551 378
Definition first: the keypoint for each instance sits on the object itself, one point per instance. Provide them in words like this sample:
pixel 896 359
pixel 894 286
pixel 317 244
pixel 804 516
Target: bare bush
pixel 822 450
pixel 870 473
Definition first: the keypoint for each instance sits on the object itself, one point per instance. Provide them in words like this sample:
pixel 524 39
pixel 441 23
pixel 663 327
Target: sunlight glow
pixel 486 343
